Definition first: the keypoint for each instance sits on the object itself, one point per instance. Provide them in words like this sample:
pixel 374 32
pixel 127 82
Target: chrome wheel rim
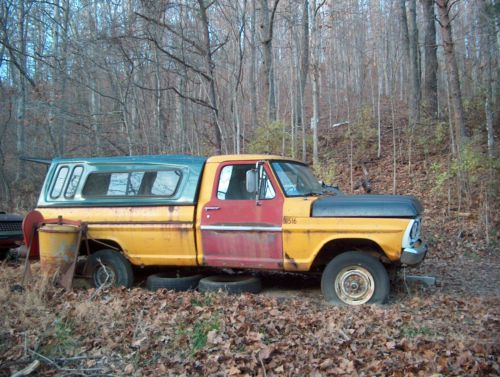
pixel 104 276
pixel 354 285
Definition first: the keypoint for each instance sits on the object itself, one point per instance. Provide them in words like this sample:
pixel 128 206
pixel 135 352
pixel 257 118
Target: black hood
pixel 367 206
pixel 10 217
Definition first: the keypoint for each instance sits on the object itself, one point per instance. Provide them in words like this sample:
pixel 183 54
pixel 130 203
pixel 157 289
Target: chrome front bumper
pixel 415 254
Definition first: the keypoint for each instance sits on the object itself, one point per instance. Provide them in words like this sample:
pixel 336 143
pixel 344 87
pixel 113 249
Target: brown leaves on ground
pixel 140 333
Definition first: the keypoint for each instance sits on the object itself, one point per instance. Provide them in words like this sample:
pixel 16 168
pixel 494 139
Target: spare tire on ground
pixel 230 284
pixel 171 280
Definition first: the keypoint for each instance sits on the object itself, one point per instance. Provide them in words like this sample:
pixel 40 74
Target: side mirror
pixel 251 181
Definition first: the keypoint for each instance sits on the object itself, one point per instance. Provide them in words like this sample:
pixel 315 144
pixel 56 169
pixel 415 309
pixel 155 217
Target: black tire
pixel 169 280
pixel 4 253
pixel 81 267
pixel 230 284
pixel 110 268
pixel 355 278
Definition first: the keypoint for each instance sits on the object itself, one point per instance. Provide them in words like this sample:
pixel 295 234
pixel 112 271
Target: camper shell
pixel 115 181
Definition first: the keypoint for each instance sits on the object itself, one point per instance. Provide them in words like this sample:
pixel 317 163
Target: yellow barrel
pixel 58 246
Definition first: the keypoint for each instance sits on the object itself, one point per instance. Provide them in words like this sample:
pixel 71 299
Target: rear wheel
pixel 110 268
pixel 355 278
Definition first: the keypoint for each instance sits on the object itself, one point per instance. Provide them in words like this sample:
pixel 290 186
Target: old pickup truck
pixel 253 212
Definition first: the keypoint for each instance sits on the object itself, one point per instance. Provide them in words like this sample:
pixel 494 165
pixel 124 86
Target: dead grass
pixel 136 332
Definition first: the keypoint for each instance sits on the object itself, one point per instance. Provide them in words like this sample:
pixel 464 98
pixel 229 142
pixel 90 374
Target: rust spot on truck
pixel 230 249
pixel 291 262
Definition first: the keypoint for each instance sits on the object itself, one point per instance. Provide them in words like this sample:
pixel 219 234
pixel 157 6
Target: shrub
pixel 269 139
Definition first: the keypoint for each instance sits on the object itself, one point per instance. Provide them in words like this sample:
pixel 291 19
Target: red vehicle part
pixel 243 233
pixel 30 224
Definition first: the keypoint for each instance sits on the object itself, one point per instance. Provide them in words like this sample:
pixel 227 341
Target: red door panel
pixel 242 232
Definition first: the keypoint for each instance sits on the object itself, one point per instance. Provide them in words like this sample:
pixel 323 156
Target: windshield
pixel 296 179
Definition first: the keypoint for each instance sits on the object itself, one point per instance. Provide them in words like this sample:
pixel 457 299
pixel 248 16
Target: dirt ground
pixel 452 329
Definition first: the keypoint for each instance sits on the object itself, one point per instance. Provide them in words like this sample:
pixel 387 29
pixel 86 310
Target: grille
pixel 14 226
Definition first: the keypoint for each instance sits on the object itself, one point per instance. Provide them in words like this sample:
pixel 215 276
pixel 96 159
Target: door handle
pixel 211 209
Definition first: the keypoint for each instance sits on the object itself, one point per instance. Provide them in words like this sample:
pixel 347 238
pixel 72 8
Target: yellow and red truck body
pixel 195 211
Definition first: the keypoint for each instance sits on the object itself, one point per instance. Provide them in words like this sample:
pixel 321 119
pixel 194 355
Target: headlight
pixel 415 230
pixel 412 233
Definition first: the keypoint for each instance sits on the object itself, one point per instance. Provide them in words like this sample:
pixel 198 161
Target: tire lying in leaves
pixel 230 284
pixel 110 268
pixel 169 280
pixel 355 278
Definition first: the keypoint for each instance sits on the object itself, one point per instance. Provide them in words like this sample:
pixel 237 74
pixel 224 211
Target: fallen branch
pixel 102 286
pixel 28 370
pixel 51 362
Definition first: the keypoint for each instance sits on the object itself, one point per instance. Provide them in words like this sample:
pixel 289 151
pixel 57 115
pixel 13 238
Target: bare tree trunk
pixel 379 126
pixel 64 74
pixel 429 87
pixel 315 44
pixel 408 26
pixel 487 48
pixel 452 71
pixel 53 88
pixel 414 62
pixel 414 98
pixel 182 105
pixel 405 40
pixel 293 91
pixel 253 68
pixel 21 100
pixel 158 107
pixel 4 181
pixel 94 116
pixel 303 68
pixel 394 152
pixel 267 24
pixel 209 66
pixel 240 16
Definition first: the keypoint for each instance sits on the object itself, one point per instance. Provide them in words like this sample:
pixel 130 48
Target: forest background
pixel 355 87
pixel 399 96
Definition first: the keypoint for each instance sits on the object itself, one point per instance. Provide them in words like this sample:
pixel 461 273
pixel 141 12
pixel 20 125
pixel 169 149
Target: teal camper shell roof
pixel 191 168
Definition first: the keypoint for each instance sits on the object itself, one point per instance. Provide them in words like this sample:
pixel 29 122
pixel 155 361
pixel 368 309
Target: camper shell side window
pixel 73 182
pixel 59 181
pixel 140 183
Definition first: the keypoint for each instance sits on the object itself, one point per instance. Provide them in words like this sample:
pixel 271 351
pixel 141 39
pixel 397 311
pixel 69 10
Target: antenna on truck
pixel 36 160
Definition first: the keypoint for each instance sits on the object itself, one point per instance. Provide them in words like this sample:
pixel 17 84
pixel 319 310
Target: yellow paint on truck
pixel 152 235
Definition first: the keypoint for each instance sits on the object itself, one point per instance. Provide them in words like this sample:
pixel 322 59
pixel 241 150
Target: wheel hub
pixel 354 285
pixel 104 276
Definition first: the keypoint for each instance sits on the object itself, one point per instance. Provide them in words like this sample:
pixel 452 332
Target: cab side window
pixel 232 184
pixel 266 190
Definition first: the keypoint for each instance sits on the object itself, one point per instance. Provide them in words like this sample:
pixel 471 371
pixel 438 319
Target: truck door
pixel 238 230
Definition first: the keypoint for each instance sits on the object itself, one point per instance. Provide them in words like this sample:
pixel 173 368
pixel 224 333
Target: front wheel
pixel 110 268
pixel 355 278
